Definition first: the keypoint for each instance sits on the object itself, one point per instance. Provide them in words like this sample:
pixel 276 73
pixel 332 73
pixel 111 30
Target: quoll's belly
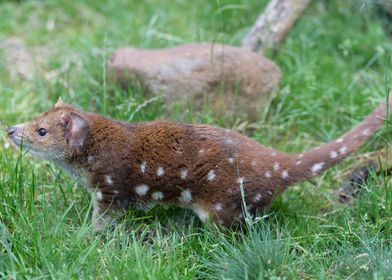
pixel 212 189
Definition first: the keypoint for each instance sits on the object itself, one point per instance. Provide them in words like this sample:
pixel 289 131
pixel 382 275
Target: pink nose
pixel 11 131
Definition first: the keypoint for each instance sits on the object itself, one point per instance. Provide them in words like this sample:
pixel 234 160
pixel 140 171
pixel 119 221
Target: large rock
pixel 229 79
pixel 26 63
pixel 18 59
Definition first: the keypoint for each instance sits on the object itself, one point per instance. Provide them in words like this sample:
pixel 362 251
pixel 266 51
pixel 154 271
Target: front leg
pixel 101 218
pixel 108 206
pixel 102 213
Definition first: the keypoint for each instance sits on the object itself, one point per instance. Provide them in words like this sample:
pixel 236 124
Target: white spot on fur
pixel 343 150
pixel 366 132
pixel 184 174
pixel 300 155
pixel 273 154
pixel 276 166
pixel 340 140
pixel 268 174
pixel 90 159
pixel 231 160
pixel 285 174
pixel 317 148
pixel 218 207
pixel 109 180
pixel 99 195
pixel 201 151
pixel 201 213
pixel 157 195
pixel 298 162
pixel 229 141
pixel 160 171
pixel 253 163
pixel 142 189
pixel 211 175
pixel 143 167
pixel 116 192
pixel 240 180
pixel 258 197
pixel 333 154
pixel 186 196
pixel 317 167
pixel 269 192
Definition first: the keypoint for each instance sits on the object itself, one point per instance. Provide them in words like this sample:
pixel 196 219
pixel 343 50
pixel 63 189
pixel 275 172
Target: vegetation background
pixel 335 70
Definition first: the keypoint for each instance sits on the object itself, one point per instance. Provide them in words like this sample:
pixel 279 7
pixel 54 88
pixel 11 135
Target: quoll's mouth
pixel 11 131
pixel 16 135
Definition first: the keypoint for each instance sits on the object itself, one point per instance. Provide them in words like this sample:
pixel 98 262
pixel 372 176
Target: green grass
pixel 334 66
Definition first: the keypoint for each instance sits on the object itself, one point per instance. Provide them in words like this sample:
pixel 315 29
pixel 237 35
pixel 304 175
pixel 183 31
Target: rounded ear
pixel 76 130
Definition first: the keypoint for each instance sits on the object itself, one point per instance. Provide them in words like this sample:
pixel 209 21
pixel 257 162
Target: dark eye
pixel 42 131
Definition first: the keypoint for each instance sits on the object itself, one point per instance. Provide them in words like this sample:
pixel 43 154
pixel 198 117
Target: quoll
pixel 191 165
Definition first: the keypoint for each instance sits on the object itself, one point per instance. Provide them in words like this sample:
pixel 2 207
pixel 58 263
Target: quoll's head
pixel 55 135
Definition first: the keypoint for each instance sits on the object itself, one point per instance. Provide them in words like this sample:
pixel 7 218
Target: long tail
pixel 315 161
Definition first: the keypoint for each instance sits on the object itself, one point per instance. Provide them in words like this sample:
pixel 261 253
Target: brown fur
pixel 195 166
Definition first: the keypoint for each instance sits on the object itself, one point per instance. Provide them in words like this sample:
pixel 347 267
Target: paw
pixel 101 220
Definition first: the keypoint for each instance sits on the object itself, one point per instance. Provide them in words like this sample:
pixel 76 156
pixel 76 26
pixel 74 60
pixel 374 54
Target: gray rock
pixel 234 81
pixel 23 62
pixel 18 59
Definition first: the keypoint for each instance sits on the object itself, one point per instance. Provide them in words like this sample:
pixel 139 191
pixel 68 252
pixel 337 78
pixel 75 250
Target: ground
pixel 336 68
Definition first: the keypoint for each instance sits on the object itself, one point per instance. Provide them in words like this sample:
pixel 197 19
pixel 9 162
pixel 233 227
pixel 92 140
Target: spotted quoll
pixel 191 165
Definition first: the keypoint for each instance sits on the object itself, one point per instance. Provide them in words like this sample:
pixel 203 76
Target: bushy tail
pixel 315 161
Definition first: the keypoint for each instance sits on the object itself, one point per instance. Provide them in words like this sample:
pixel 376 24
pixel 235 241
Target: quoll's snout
pixel 11 130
